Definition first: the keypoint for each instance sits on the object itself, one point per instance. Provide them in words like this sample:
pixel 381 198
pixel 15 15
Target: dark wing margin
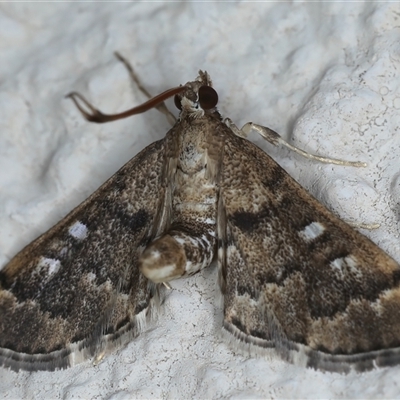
pixel 76 291
pixel 295 277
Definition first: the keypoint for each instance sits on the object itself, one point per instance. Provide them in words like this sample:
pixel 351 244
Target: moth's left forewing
pixel 77 291
pixel 294 276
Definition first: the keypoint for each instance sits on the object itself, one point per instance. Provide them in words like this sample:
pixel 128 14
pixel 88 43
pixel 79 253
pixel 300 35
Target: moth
pixel 293 276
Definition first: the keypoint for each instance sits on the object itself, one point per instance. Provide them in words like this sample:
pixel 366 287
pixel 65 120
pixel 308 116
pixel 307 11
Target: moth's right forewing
pixel 77 291
pixel 296 277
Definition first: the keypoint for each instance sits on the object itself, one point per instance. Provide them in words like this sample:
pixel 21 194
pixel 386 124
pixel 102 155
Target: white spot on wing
pixel 78 230
pixel 349 263
pixel 338 264
pixel 312 231
pixel 63 251
pixel 52 264
pixel 91 276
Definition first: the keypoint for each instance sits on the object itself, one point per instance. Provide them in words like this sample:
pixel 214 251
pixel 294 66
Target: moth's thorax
pixel 193 148
pixel 193 180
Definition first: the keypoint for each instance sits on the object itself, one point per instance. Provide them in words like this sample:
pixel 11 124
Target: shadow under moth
pixel 293 276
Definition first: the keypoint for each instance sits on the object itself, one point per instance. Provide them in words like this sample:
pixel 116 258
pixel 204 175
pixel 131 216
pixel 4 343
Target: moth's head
pixel 198 98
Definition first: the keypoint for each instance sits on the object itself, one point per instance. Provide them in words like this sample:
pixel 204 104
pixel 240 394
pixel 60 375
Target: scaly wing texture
pixel 76 291
pixel 295 277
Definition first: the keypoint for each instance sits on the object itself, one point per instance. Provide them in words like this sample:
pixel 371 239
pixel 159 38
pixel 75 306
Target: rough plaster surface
pixel 324 75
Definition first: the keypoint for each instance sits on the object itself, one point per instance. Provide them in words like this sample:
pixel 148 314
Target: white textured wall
pixel 325 75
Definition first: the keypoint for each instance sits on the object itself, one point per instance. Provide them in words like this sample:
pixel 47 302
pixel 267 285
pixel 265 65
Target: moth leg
pixel 370 227
pixel 160 107
pixel 177 254
pixel 167 285
pixel 275 139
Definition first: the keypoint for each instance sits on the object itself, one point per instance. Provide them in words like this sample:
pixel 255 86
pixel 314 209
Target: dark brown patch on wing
pixel 249 222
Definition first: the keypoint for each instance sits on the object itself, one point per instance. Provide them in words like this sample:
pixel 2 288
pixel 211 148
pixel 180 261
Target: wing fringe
pixel 96 347
pixel 304 356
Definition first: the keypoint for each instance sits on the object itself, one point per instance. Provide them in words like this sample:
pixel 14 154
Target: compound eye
pixel 177 102
pixel 208 97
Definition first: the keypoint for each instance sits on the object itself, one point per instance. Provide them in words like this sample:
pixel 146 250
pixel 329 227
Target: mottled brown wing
pixel 76 291
pixel 297 278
